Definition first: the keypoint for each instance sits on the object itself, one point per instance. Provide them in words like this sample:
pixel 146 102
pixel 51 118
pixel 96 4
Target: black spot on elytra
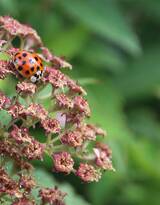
pixel 38 68
pixel 20 57
pixel 27 72
pixel 32 69
pixel 23 62
pixel 24 54
pixel 36 58
pixel 41 64
pixel 20 68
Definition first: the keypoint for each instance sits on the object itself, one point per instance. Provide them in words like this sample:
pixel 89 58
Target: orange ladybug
pixel 29 65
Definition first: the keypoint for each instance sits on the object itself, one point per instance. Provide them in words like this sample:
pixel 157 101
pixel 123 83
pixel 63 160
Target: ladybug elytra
pixel 29 65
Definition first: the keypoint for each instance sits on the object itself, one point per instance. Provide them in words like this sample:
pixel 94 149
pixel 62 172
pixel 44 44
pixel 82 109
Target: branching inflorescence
pixel 67 135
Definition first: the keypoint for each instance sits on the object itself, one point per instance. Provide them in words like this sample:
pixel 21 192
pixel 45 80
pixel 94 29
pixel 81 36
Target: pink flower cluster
pixel 67 136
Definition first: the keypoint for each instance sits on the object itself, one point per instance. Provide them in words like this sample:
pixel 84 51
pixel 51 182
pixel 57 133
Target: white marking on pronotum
pixel 16 61
pixel 33 79
pixel 38 72
pixel 32 61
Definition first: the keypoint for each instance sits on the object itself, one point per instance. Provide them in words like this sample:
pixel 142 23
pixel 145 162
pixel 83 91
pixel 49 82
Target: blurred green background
pixel 114 47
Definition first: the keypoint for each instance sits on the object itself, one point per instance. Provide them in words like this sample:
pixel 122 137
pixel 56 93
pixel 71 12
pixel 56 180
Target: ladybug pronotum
pixel 29 65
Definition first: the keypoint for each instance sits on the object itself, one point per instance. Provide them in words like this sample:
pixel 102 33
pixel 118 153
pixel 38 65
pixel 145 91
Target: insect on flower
pixel 29 65
pixel 70 142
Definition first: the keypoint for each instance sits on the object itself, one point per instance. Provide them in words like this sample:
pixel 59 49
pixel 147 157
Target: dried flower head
pixel 88 173
pixel 103 156
pixel 16 110
pixel 55 77
pixel 23 201
pixel 51 125
pixel 52 196
pixel 27 183
pixel 24 165
pixel 14 28
pixel 72 138
pixel 9 149
pixel 34 150
pixel 20 135
pixel 81 105
pixel 36 111
pixel 5 69
pixel 63 162
pixel 63 101
pixel 8 186
pixel 74 87
pixel 4 101
pixel 75 118
pixel 90 131
pixel 26 88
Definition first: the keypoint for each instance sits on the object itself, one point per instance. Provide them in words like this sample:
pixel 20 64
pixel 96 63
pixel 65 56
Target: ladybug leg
pixel 42 72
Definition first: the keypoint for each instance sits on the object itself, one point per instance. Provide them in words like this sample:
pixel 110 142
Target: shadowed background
pixel 114 47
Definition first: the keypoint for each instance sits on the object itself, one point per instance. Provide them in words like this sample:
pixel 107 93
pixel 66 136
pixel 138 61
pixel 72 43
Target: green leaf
pixel 9 6
pixel 133 193
pixel 45 92
pixel 5 118
pixel 144 157
pixel 103 56
pixel 70 42
pixel 107 111
pixel 105 18
pixel 4 56
pixel 149 7
pixel 72 198
pixel 142 78
pixel 144 123
pixel 88 81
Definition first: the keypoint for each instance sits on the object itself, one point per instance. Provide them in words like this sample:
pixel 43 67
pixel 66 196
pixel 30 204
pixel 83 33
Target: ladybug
pixel 29 65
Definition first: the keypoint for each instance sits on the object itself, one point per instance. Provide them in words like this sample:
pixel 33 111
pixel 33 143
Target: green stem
pixel 54 139
pixel 59 147
pixel 22 43
pixel 49 138
pixel 11 123
pixel 2 161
